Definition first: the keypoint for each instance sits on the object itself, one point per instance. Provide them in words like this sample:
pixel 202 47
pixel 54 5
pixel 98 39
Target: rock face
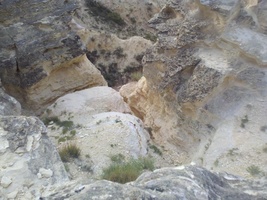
pixel 8 105
pixel 42 53
pixel 171 183
pixel 104 127
pixel 81 105
pixel 28 158
pixel 205 85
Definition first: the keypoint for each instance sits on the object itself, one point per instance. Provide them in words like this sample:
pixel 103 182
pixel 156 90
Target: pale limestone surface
pixel 80 105
pixel 102 128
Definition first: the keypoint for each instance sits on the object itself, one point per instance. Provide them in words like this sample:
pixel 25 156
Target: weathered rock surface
pixel 102 128
pixel 81 105
pixel 205 85
pixel 44 46
pixel 26 151
pixel 28 159
pixel 171 183
pixel 42 56
pixel 8 105
pixel 116 58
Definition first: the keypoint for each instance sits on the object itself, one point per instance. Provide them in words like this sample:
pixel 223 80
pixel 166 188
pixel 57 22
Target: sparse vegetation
pixel 98 9
pixel 118 158
pixel 254 170
pixel 244 121
pixel 128 171
pixel 62 139
pixel 56 120
pixel 150 37
pixel 73 132
pixel 265 149
pixel 68 151
pixel 216 163
pixel 48 120
pixel 155 149
pixel 232 152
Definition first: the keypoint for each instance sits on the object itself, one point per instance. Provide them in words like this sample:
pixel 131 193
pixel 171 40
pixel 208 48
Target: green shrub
pixel 118 158
pixel 150 37
pixel 155 149
pixel 253 170
pixel 47 120
pixel 68 151
pixel 73 132
pixel 67 124
pixel 128 171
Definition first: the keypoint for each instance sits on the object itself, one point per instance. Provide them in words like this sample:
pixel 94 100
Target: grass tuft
pixel 254 170
pixel 127 171
pixel 68 151
pixel 155 149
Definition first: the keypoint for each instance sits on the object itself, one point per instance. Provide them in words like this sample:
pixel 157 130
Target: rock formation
pixel 205 83
pixel 101 126
pixel 44 47
pixel 29 161
pixel 189 182
pixel 202 97
pixel 42 57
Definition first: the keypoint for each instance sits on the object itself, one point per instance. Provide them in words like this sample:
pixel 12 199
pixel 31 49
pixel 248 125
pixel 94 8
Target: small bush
pixel 253 170
pixel 119 158
pixel 156 149
pixel 150 37
pixel 126 172
pixel 46 121
pixel 216 163
pixel 73 132
pixel 68 151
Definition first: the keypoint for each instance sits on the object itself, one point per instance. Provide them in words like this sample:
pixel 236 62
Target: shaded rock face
pixel 37 42
pixel 206 77
pixel 171 183
pixel 8 105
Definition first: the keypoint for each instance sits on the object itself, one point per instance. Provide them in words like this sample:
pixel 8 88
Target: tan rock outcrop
pixel 205 83
pixel 74 75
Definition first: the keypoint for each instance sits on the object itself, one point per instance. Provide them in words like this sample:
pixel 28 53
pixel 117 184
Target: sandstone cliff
pixel 45 47
pixel 204 91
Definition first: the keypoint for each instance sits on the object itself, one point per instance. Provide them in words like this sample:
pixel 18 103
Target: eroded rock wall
pixel 205 86
pixel 41 52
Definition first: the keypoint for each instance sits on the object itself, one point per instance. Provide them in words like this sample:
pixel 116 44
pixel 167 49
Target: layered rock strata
pixel 204 92
pixel 42 57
